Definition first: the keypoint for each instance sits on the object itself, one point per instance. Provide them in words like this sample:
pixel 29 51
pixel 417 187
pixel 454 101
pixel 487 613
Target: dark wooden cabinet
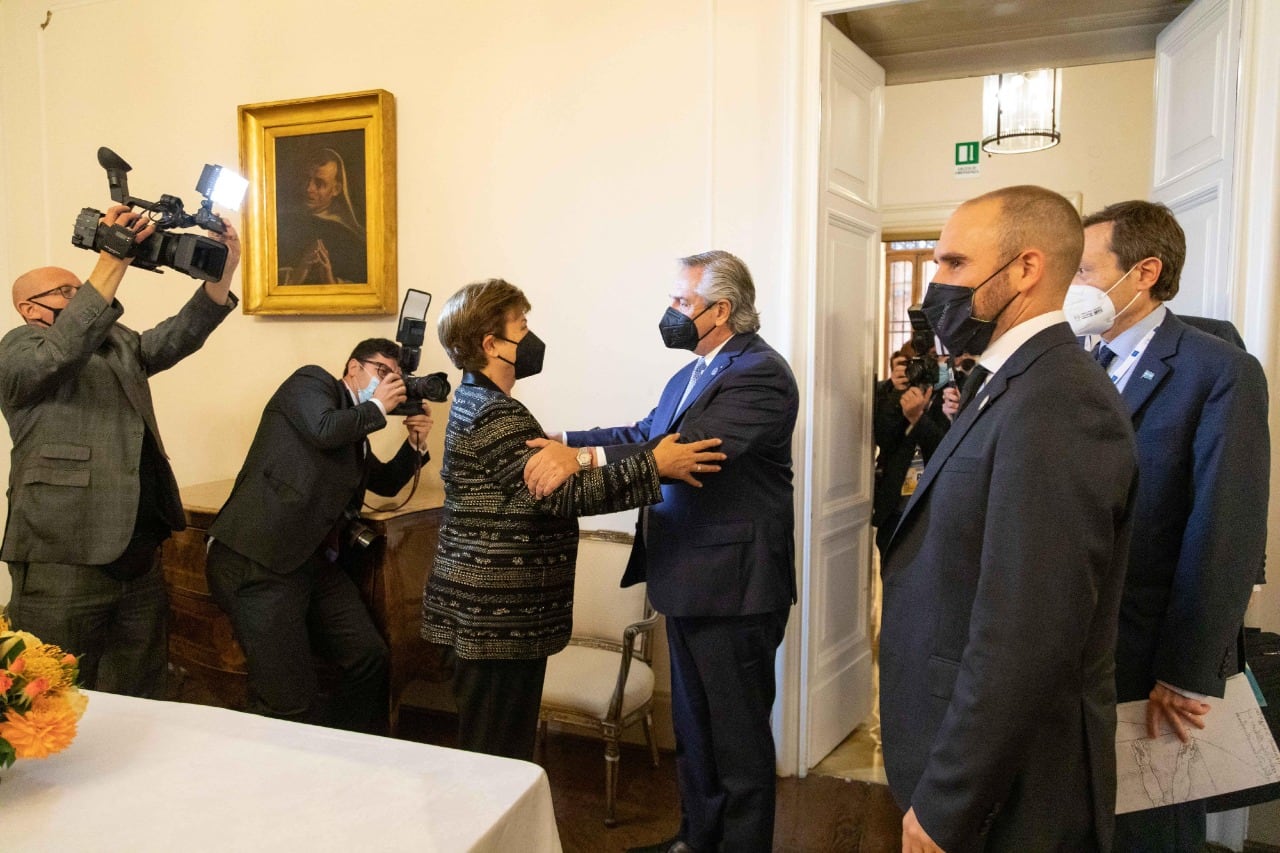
pixel 390 574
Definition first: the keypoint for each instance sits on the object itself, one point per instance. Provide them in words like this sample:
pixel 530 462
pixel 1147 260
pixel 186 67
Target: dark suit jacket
pixel 897 447
pixel 1001 593
pixel 728 548
pixel 1224 329
pixel 1199 408
pixel 307 469
pixel 78 405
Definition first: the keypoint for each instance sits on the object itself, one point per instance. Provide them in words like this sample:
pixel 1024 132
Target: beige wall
pixel 574 147
pixel 1105 152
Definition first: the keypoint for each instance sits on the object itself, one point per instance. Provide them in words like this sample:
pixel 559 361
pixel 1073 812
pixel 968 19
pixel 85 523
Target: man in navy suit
pixel 1199 408
pixel 1002 582
pixel 719 560
pixel 274 563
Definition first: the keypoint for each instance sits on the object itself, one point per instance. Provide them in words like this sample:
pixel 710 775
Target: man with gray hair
pixel 719 560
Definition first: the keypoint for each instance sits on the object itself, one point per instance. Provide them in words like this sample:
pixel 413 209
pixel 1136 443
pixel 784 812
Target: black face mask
pixel 949 309
pixel 529 352
pixel 679 331
pixel 54 311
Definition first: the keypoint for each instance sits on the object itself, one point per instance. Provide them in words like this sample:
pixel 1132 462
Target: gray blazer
pixel 77 402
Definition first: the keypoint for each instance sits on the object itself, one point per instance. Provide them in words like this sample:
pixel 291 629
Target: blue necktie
pixel 1103 355
pixel 698 368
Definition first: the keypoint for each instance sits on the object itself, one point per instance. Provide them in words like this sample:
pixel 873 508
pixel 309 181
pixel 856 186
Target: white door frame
pixel 805 118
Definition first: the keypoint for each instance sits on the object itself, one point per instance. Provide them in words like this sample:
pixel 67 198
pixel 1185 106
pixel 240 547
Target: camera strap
pixel 417 476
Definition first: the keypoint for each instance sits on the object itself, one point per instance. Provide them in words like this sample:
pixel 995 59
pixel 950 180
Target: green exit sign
pixel 966 153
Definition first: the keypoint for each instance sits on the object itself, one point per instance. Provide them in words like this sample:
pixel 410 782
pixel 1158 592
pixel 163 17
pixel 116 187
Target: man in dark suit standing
pixel 1199 409
pixel 1002 583
pixel 274 562
pixel 719 560
pixel 91 493
pixel 906 418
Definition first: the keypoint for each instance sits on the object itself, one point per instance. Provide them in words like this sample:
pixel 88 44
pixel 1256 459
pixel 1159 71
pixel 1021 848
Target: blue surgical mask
pixel 365 394
pixel 945 377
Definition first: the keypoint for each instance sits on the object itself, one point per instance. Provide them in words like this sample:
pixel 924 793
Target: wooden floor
pixel 821 814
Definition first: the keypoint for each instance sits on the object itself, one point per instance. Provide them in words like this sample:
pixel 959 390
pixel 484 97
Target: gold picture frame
pixel 320 218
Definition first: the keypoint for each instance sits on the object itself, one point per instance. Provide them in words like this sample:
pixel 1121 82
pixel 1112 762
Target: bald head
pixel 37 282
pixel 41 280
pixel 1033 217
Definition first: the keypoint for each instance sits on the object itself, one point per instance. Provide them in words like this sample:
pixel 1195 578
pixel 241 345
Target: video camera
pixel 922 369
pixel 194 254
pixel 413 324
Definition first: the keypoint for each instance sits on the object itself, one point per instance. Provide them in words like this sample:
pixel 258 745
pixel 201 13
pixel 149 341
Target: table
pixel 391 575
pixel 144 775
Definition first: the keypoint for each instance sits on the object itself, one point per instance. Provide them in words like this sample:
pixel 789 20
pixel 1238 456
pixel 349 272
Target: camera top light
pixel 222 186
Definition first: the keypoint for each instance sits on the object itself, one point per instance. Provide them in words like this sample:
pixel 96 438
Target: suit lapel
pixel 137 391
pixel 665 415
pixel 1153 367
pixel 670 407
pixel 734 348
pixel 982 403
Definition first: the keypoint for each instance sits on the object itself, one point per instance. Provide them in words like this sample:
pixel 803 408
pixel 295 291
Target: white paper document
pixel 1234 751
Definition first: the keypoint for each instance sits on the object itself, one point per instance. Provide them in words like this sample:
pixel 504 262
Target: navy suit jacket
pixel 306 471
pixel 1199 408
pixel 1001 593
pixel 728 548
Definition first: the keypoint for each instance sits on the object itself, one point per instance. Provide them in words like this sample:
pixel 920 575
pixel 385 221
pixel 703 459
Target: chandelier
pixel 1021 111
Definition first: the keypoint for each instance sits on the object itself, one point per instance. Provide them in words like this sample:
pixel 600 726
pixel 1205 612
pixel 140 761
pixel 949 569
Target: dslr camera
pixel 922 369
pixel 193 254
pixel 434 387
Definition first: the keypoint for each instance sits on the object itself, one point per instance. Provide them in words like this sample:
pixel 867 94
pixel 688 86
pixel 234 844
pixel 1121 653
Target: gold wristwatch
pixel 585 457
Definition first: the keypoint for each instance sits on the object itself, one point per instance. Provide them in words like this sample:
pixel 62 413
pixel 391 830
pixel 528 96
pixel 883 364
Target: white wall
pixel 571 146
pixel 1105 152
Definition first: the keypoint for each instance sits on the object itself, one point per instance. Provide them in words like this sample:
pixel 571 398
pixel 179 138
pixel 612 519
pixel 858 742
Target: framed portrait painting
pixel 320 229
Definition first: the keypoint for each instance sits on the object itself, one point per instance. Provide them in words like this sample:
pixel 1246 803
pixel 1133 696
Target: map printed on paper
pixel 1234 751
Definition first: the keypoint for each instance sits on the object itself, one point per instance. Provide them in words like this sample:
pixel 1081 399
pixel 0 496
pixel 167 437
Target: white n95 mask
pixel 1089 310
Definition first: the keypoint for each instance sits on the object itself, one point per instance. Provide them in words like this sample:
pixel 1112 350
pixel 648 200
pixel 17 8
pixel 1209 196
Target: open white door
pixel 838 660
pixel 1197 71
pixel 1197 76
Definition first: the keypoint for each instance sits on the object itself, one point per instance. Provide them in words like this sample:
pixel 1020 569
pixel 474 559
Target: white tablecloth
pixel 144 775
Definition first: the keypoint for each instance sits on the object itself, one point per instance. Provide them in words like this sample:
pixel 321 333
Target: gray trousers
pixel 118 629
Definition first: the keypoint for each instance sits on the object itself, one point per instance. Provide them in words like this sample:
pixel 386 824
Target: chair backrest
pixel 601 609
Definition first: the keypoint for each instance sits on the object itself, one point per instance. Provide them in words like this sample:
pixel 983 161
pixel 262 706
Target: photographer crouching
pixel 274 565
pixel 91 493
pixel 909 413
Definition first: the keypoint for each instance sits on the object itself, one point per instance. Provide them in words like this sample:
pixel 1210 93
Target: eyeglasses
pixel 66 291
pixel 381 369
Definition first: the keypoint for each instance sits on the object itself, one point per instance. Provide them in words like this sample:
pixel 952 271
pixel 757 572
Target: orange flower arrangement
pixel 39 702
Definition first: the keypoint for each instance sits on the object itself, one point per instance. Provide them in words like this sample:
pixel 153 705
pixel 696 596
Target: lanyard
pixel 1126 364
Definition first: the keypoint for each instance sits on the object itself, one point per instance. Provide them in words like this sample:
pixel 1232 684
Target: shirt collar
pixel 711 356
pixel 999 352
pixel 1132 336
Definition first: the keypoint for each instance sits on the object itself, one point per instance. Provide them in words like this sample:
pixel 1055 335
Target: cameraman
pixel 274 562
pixel 91 493
pixel 906 416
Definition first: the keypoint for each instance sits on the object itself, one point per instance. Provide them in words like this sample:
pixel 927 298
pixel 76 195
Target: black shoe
pixel 671 845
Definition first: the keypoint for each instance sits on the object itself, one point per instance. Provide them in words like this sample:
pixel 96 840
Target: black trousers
pixel 281 620
pixel 722 691
pixel 498 705
pixel 1170 829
